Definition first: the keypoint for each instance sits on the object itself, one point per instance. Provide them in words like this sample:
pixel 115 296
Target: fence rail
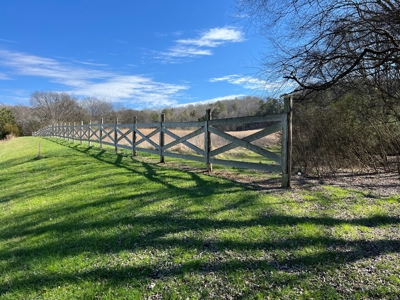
pixel 131 136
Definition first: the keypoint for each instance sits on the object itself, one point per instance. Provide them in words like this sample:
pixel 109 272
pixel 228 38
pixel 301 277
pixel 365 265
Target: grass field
pixel 84 223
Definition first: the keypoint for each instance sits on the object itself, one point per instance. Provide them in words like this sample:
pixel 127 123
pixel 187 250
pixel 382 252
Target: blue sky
pixel 140 54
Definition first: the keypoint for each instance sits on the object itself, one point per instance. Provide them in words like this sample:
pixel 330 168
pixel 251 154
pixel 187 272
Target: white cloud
pixel 248 82
pixel 215 37
pixel 137 89
pixel 91 82
pixel 180 51
pixel 200 46
pixel 272 88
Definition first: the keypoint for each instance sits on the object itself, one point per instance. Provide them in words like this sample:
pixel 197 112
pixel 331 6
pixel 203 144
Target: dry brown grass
pixel 198 141
pixel 8 137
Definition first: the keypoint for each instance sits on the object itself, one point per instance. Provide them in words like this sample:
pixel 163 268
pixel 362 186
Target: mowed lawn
pixel 80 222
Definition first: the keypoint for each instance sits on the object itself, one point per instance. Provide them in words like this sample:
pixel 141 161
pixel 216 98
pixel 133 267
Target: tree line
pixel 59 107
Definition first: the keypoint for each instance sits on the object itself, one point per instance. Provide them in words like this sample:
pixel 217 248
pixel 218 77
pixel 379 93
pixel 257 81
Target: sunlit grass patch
pixel 86 223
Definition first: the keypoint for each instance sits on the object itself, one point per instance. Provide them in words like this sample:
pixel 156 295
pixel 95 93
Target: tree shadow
pixel 180 226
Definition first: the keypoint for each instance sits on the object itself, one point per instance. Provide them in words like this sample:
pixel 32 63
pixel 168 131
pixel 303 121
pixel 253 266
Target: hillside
pixel 79 222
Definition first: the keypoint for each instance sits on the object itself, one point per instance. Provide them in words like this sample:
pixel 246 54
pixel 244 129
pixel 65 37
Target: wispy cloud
pixel 90 63
pixel 8 41
pixel 4 77
pixel 182 51
pixel 137 89
pixel 81 81
pixel 247 82
pixel 201 45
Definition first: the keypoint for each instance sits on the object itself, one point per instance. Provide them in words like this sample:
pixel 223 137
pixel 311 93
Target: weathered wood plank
pixel 242 120
pixel 183 124
pixel 287 142
pixel 255 136
pixel 207 140
pixel 147 138
pixel 183 139
pixel 162 139
pixel 124 136
pixel 247 165
pixel 108 143
pixel 185 156
pixel 134 152
pixel 109 133
pixel 152 151
pixel 147 125
pixel 95 134
pixel 246 145
pixel 124 146
pixel 125 125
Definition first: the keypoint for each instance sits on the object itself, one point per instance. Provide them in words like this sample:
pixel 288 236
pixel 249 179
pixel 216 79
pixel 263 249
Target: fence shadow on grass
pixel 178 229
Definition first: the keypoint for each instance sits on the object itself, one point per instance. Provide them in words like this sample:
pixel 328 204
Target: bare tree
pixel 97 108
pixel 27 121
pixel 324 43
pixel 55 107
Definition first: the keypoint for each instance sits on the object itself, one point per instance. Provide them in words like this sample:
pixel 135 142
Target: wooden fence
pixel 131 136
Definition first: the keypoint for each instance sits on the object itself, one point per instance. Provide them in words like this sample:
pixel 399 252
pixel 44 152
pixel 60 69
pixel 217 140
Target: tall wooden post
pixel 286 152
pixel 115 135
pixel 89 132
pixel 101 133
pixel 162 140
pixel 73 133
pixel 69 131
pixel 81 133
pixel 207 141
pixel 134 152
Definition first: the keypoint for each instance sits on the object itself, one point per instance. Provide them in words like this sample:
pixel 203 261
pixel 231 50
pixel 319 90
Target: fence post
pixel 115 135
pixel 286 152
pixel 134 152
pixel 89 132
pixel 81 133
pixel 207 141
pixel 73 134
pixel 101 133
pixel 162 160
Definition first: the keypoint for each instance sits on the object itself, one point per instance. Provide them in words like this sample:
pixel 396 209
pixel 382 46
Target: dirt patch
pixel 380 184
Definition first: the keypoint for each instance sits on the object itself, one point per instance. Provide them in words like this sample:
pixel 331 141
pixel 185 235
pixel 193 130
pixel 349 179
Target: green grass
pixel 84 223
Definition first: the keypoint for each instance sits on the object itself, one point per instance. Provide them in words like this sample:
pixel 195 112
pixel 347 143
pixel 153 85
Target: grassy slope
pixel 84 223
